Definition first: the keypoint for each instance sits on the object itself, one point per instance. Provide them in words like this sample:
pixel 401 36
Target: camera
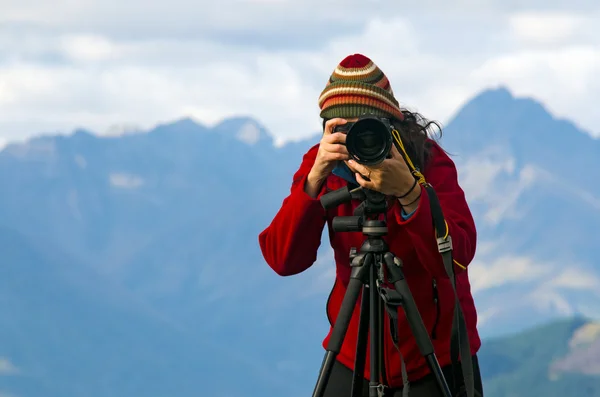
pixel 368 140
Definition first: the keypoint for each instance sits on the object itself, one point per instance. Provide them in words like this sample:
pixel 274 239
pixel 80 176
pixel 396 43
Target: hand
pixel 332 149
pixel 391 177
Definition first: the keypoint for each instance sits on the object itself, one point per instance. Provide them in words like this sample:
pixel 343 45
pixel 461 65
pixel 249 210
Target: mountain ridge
pixel 492 96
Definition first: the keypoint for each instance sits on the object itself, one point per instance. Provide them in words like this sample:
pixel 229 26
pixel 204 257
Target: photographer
pixel 289 244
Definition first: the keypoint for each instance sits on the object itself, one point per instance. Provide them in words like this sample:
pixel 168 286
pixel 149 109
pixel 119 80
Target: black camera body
pixel 369 139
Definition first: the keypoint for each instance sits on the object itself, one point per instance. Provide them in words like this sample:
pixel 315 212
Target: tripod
pixel 369 269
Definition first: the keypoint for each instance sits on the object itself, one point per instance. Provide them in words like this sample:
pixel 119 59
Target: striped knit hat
pixel 357 86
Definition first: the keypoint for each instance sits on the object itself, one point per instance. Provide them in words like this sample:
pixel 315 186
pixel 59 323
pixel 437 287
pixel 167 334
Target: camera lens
pixel 369 141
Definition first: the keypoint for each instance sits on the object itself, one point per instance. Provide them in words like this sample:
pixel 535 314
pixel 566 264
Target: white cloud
pixel 484 317
pixel 492 179
pixel 7 367
pixel 87 48
pixel 585 335
pixel 505 269
pixel 527 283
pixel 479 174
pixel 574 278
pixel 96 65
pixel 570 70
pixel 126 181
pixel 554 292
pixel 249 133
pixel 546 28
pixel 323 273
pixel 552 301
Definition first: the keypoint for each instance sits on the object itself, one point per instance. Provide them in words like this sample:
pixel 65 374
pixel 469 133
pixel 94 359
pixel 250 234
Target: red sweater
pixel 289 245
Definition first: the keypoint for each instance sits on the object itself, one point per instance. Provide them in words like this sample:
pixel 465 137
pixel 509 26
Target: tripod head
pixel 373 204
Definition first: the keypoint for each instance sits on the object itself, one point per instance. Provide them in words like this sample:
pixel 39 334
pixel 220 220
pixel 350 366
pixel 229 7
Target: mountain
pixel 561 358
pixel 69 331
pixel 133 265
pixel 527 178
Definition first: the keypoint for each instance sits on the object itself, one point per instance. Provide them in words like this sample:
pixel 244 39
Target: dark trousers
pixel 340 383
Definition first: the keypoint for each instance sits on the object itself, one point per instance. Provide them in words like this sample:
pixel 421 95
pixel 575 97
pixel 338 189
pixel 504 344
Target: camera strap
pixel 459 339
pixel 459 342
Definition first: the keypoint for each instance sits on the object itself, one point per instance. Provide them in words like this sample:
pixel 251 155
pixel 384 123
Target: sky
pixel 112 66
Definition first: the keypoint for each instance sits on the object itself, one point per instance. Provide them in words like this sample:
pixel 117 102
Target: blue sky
pixel 109 66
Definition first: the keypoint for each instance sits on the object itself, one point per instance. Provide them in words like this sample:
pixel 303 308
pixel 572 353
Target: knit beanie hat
pixel 357 86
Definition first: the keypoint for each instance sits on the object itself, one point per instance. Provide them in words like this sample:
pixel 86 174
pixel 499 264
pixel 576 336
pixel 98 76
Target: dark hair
pixel 417 134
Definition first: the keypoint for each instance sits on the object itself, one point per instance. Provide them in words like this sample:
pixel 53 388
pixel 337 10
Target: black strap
pixel 459 341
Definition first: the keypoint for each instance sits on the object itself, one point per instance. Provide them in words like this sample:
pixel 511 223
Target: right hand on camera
pixel 332 149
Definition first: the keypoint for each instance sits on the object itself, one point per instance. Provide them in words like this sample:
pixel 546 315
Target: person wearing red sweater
pixel 290 243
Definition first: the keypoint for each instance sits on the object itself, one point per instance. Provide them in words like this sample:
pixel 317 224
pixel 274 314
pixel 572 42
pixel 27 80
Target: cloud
pixel 256 23
pixel 505 269
pixel 484 317
pixel 321 276
pixel 126 181
pixel 585 335
pixel 540 73
pixel 249 133
pixel 573 278
pixel 93 64
pixel 7 367
pixel 503 283
pixel 491 178
pixel 87 48
pixel 549 27
pixel 551 300
pixel 555 292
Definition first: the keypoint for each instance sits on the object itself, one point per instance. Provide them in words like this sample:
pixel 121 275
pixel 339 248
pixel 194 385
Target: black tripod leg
pixel 375 337
pixel 361 344
pixel 358 277
pixel 415 321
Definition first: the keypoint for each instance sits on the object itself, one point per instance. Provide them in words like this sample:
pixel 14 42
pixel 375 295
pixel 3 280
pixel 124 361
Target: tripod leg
pixel 415 321
pixel 357 279
pixel 361 344
pixel 375 337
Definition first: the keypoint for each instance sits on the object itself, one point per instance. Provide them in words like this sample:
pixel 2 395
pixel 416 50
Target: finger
pixel 332 156
pixel 331 124
pixel 363 182
pixel 335 148
pixel 359 167
pixel 350 166
pixel 336 137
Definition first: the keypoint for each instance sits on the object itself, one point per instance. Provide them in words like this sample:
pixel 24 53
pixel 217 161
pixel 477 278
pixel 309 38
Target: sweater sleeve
pixel 290 243
pixel 441 173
